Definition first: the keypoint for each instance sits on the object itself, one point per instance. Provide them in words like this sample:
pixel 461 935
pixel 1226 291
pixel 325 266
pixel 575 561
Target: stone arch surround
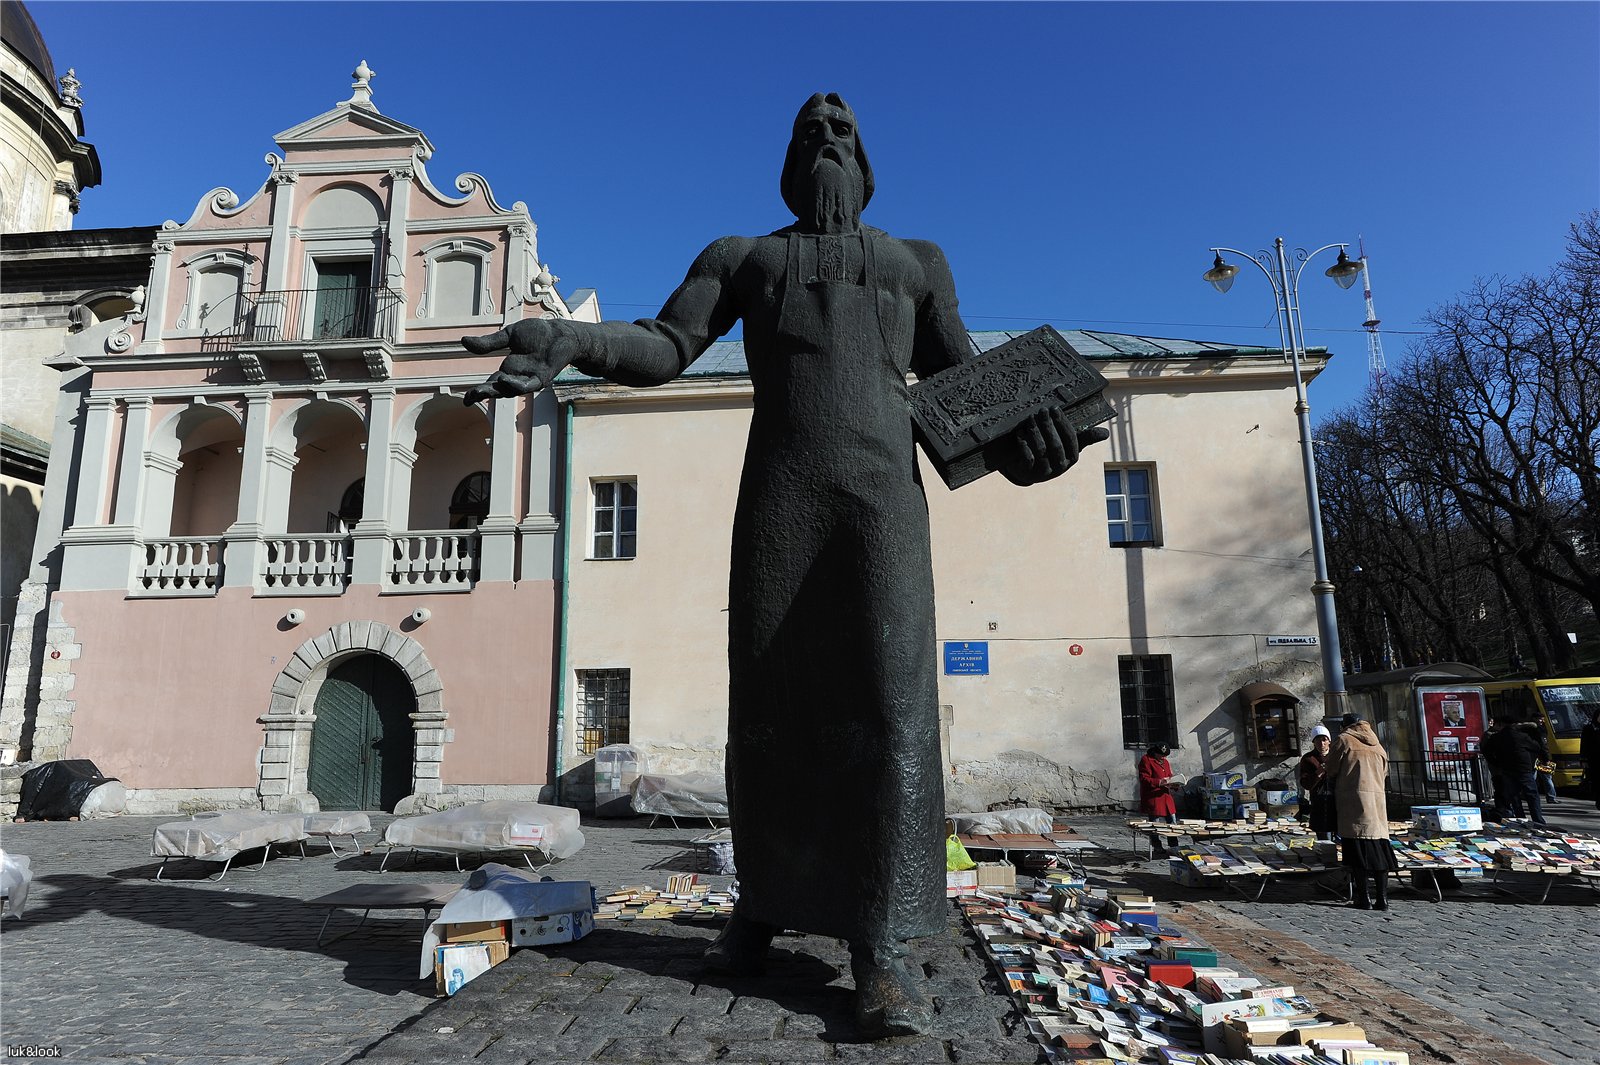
pixel 286 755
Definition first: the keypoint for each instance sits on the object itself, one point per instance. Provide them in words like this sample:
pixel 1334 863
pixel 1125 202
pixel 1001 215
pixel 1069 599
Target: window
pixel 616 507
pixel 602 708
pixel 343 307
pixel 1130 506
pixel 1149 714
pixel 350 506
pixel 456 279
pixel 469 505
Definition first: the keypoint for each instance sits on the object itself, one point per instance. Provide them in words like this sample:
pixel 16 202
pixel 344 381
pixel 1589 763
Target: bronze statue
pixel 834 776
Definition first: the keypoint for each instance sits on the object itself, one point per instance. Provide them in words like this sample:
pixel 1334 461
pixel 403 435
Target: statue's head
pixel 826 176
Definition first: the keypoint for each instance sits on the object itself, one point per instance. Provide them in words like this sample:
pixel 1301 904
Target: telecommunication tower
pixel 1377 370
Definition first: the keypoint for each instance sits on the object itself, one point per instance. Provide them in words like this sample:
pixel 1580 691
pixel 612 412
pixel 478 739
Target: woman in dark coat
pixel 1315 788
pixel 1358 766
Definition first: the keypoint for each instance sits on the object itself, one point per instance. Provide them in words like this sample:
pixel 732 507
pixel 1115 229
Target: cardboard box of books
pixel 1451 819
pixel 556 928
pixel 996 874
pixel 960 882
pixel 457 964
pixel 474 932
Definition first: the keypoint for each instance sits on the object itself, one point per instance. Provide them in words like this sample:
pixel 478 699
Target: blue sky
pixel 1075 161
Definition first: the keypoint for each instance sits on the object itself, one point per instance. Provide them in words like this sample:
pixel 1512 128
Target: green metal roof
pixel 725 358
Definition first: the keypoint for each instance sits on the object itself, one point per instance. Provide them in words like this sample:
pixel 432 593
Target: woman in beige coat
pixel 1358 766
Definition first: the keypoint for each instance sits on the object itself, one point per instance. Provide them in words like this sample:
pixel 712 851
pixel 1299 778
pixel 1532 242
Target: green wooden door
pixel 342 295
pixel 361 745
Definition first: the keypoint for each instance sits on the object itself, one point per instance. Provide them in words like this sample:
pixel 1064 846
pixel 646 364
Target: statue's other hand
pixel 539 348
pixel 1047 446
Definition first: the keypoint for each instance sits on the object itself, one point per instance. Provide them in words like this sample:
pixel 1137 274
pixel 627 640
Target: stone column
pixel 131 484
pixel 395 255
pixel 404 461
pixel 96 555
pixel 370 537
pixel 542 523
pixel 277 277
pixel 155 303
pixel 519 285
pixel 94 471
pixel 497 535
pixel 243 545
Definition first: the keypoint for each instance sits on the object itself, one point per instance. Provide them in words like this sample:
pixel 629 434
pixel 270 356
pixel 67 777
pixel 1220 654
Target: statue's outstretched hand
pixel 539 348
pixel 1047 446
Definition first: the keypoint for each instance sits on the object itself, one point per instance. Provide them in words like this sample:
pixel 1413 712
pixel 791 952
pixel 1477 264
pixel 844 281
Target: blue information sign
pixel 966 657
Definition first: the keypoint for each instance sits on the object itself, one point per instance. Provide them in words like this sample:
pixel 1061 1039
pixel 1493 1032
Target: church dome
pixel 22 35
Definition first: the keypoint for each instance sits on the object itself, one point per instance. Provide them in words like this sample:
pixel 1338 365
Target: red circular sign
pixel 1075 649
pixel 55 654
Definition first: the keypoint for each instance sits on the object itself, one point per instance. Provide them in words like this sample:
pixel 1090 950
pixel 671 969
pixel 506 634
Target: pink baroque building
pixel 280 563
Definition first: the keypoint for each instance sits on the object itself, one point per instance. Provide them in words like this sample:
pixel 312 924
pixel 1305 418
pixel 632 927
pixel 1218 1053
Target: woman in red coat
pixel 1155 795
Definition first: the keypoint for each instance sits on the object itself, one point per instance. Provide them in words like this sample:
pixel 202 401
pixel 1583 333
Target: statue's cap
pixel 822 103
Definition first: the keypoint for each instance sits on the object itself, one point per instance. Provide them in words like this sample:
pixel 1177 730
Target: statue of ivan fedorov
pixel 834 779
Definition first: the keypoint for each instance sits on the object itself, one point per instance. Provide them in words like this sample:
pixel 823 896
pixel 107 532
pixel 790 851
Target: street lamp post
pixel 1291 332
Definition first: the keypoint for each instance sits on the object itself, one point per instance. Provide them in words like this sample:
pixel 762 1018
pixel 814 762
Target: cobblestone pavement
pixel 110 966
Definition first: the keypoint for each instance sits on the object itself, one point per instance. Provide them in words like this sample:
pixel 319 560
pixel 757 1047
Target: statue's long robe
pixel 834 774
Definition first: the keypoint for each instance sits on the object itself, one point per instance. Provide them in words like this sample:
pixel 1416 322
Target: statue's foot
pixel 888 1000
pixel 741 948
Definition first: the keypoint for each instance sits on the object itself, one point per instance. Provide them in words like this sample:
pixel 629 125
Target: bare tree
pixel 1467 490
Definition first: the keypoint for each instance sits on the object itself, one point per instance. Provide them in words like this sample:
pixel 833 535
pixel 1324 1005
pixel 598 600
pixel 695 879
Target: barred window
pixel 1149 713
pixel 602 708
pixel 616 515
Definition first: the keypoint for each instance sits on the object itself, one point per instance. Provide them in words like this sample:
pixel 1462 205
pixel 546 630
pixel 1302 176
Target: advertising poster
pixel 1454 721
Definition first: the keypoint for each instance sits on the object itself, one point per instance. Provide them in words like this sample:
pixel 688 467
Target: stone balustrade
pixel 306 565
pixel 436 561
pixel 185 565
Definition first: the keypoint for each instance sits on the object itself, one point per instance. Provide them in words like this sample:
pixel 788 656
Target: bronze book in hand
pixel 964 416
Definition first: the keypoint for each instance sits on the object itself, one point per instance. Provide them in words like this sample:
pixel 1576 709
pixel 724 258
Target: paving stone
pixel 788 1051
pixel 908 1050
pixel 638 1049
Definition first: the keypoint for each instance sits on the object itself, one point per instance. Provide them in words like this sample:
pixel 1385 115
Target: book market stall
pixel 1098 979
pixel 1441 847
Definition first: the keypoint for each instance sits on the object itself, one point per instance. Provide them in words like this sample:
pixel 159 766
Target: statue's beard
pixel 834 197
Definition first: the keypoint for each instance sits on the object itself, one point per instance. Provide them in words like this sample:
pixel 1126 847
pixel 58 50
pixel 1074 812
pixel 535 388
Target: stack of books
pixel 690 902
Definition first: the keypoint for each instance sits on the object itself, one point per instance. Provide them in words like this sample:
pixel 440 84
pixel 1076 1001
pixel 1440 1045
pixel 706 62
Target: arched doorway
pixel 362 742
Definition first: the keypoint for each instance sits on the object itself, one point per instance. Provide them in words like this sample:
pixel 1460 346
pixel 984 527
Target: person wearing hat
pixel 1315 787
pixel 1358 768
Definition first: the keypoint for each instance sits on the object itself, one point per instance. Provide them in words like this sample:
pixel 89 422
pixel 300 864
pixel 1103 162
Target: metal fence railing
pixel 329 314
pixel 1436 782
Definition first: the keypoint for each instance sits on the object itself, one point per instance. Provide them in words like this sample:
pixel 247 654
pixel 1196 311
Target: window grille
pixel 1149 712
pixel 602 708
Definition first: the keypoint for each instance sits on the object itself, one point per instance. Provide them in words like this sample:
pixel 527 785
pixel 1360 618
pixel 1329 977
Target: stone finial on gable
pixel 362 97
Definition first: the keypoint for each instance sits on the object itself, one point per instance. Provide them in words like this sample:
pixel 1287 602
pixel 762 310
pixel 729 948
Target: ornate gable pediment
pixel 352 125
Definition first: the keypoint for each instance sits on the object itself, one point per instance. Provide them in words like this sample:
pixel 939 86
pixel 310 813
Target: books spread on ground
pixel 1099 981
pixel 686 899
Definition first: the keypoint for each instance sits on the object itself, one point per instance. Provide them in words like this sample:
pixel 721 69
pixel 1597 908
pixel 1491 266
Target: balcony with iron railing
pixel 314 326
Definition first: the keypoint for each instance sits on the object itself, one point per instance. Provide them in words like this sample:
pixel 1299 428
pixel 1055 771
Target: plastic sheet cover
pixel 496 892
pixel 685 795
pixel 1025 821
pixel 498 825
pixel 56 791
pixel 337 823
pixel 15 876
pixel 216 837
